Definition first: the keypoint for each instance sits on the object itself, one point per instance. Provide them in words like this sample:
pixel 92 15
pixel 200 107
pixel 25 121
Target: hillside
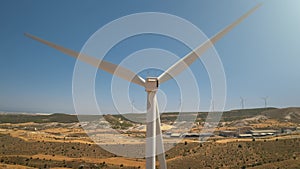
pixel 284 114
pixel 24 118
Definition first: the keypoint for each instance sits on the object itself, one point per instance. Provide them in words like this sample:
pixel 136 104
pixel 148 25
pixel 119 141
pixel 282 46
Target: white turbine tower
pixel 243 101
pixel 154 141
pixel 265 100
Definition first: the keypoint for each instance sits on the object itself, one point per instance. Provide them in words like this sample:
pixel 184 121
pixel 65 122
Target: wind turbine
pixel 243 100
pixel 154 141
pixel 265 100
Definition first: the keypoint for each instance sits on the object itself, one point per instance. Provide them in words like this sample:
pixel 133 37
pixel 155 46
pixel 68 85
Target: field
pixel 59 141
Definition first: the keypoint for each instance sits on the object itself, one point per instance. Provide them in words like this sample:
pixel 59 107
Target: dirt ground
pixel 188 148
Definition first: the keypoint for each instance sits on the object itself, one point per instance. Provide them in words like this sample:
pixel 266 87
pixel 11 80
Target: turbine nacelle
pixel 151 84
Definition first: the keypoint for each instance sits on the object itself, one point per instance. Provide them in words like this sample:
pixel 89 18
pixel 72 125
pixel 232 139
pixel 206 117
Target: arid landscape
pixel 178 84
pixel 239 141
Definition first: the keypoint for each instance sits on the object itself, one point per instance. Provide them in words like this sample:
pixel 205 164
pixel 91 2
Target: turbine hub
pixel 151 84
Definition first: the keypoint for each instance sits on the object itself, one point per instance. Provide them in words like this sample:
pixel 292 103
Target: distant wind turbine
pixel 265 100
pixel 243 101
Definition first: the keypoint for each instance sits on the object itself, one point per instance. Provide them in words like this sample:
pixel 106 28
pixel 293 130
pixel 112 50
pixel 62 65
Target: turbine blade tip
pixel 28 34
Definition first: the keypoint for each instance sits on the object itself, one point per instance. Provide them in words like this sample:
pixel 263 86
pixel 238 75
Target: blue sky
pixel 260 56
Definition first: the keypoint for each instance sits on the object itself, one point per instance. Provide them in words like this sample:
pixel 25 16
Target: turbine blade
pixel 187 60
pixel 160 144
pixel 119 71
